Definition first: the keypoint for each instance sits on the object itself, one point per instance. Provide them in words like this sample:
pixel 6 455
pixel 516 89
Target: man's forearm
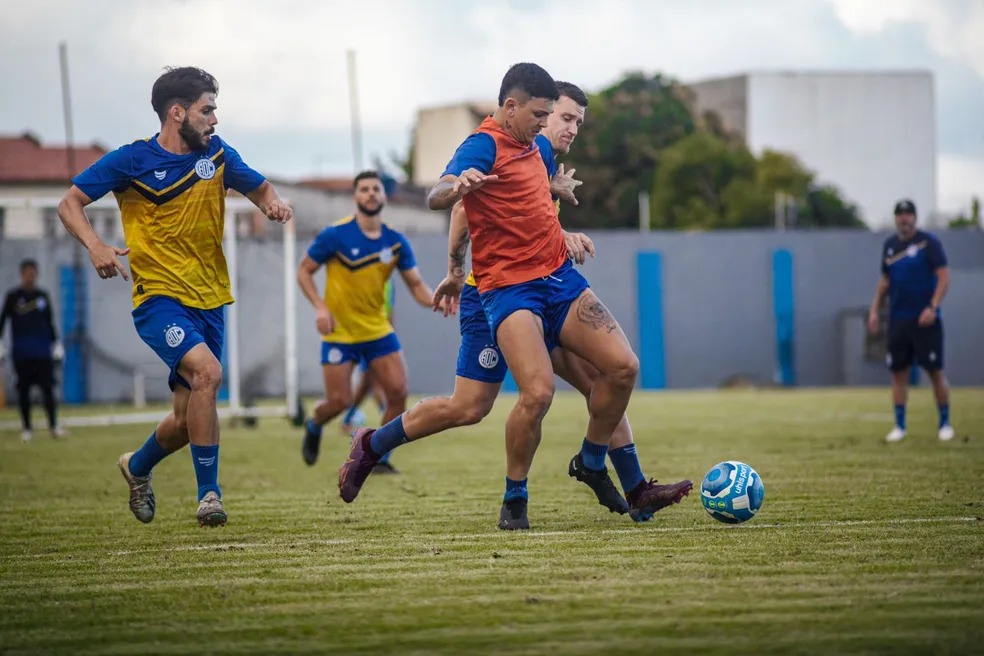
pixel 458 239
pixel 73 217
pixel 306 282
pixel 442 196
pixel 942 286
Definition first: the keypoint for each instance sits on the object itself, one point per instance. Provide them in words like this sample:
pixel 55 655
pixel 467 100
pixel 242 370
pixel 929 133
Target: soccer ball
pixel 732 492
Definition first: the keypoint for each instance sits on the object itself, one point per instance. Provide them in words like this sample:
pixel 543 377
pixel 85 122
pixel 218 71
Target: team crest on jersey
pixel 912 251
pixel 488 358
pixel 40 304
pixel 160 175
pixel 205 168
pixel 386 256
pixel 891 252
pixel 174 335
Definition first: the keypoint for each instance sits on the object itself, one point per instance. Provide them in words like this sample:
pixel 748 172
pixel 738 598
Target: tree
pixel 705 182
pixel 973 221
pixel 628 125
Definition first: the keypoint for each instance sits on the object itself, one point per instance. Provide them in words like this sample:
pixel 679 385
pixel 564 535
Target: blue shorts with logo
pixel 171 329
pixel 338 353
pixel 549 298
pixel 478 356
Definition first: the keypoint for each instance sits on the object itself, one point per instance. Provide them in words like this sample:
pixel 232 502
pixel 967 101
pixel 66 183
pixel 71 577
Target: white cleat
pixel 58 433
pixel 27 436
pixel 895 435
pixel 946 433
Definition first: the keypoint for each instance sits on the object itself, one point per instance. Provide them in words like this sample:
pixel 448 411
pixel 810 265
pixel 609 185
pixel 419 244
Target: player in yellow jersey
pixel 171 191
pixel 359 253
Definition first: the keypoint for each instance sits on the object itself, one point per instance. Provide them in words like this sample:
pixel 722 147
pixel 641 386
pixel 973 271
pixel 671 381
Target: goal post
pixel 237 406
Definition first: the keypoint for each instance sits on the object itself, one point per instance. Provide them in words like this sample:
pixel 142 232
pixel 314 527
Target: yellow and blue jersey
pixel 357 270
pixel 173 209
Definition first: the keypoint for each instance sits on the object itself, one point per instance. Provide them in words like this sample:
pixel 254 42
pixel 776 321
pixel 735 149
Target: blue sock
pixel 593 455
pixel 944 415
pixel 388 437
pixel 385 458
pixel 147 456
pixel 350 414
pixel 900 416
pixel 625 460
pixel 516 490
pixel 312 428
pixel 206 461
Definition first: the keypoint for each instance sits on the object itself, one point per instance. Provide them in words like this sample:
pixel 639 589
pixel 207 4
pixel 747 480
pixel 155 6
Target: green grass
pixel 860 547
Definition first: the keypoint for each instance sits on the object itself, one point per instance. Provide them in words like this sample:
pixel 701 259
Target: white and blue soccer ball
pixel 732 492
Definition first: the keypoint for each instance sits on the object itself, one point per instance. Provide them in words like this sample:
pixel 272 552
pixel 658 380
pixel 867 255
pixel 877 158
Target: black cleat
pixel 513 517
pixel 600 483
pixel 311 444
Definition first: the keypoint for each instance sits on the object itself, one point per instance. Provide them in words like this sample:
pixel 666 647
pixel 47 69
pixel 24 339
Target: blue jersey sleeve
pixel 476 152
pixel 407 259
pixel 547 153
pixel 324 246
pixel 237 174
pixel 934 253
pixel 112 172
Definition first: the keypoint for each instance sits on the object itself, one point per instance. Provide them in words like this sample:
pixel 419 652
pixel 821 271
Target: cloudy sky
pixel 282 64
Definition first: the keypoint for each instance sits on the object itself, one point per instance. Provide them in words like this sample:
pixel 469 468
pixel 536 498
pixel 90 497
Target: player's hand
pixel 471 180
pixel 324 321
pixel 57 352
pixel 927 317
pixel 448 295
pixel 873 323
pixel 278 211
pixel 563 185
pixel 579 246
pixel 105 259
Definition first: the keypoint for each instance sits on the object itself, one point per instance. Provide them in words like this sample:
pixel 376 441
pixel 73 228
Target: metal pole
pixel 644 224
pixel 354 109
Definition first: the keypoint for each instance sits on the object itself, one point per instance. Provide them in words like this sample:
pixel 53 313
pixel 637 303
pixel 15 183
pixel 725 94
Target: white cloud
pixel 960 178
pixel 954 28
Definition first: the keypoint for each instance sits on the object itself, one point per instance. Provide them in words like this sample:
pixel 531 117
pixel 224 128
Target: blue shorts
pixel 549 298
pixel 337 353
pixel 478 356
pixel 171 329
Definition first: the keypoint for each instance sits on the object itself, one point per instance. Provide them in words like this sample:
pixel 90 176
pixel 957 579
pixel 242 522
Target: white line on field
pixel 228 546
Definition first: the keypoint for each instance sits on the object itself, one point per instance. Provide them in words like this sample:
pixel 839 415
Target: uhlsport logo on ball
pixel 732 492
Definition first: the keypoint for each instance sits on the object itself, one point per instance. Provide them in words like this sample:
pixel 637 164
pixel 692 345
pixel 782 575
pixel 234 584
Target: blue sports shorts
pixel 171 329
pixel 549 298
pixel 338 353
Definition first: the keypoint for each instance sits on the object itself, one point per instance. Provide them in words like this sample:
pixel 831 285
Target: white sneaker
pixel 58 433
pixel 895 435
pixel 946 433
pixel 27 436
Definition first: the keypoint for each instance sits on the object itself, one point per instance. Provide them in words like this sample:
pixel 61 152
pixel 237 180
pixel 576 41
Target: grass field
pixel 861 547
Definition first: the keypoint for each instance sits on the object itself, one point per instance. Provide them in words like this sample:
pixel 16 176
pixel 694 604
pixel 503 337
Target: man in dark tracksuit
pixel 915 278
pixel 34 345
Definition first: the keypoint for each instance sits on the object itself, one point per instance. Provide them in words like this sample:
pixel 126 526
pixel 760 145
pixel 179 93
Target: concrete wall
pixel 717 306
pixel 873 135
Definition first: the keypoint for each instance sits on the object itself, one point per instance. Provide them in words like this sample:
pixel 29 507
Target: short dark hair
pixel 368 174
pixel 184 85
pixel 573 92
pixel 29 263
pixel 530 79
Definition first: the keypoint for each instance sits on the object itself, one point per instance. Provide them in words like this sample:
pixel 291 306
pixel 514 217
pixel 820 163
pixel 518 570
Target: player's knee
pixel 396 396
pixel 207 377
pixel 537 396
pixel 473 414
pixel 625 370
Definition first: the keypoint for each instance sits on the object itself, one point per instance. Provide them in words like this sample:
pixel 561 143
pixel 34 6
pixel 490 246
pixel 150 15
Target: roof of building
pixel 24 160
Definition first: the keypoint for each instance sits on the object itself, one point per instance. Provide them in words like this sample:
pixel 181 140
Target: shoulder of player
pixel 393 234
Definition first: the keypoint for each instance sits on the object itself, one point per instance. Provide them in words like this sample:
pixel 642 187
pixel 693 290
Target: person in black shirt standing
pixel 915 278
pixel 34 345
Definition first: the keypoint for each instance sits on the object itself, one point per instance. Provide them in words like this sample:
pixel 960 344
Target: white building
pixel 439 131
pixel 871 134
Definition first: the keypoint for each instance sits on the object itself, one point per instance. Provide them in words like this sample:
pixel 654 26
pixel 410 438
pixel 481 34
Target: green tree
pixel 972 221
pixel 627 127
pixel 705 182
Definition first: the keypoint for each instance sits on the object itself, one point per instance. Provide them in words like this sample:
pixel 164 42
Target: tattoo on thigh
pixel 593 312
